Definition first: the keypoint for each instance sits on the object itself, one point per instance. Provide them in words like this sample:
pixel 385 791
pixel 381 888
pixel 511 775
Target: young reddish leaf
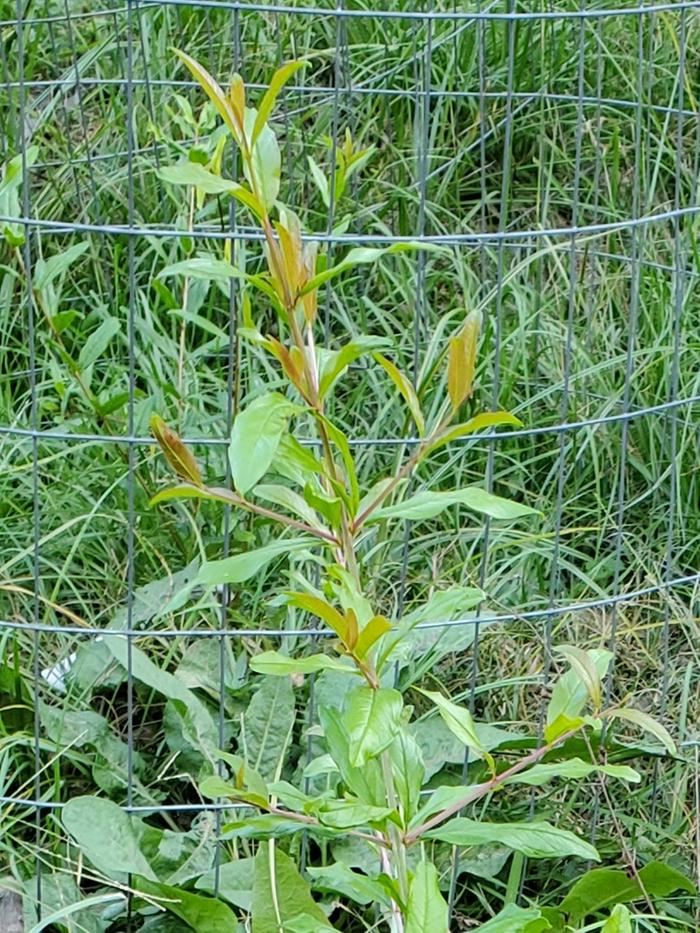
pixel 351 632
pixel 236 95
pixel 375 628
pixel 461 363
pixel 175 452
pixel 319 607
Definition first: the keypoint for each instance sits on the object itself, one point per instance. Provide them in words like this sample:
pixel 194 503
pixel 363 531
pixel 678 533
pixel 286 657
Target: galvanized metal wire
pixel 501 243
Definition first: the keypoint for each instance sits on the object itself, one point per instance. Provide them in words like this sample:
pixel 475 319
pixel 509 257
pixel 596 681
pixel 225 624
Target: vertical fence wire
pixel 579 240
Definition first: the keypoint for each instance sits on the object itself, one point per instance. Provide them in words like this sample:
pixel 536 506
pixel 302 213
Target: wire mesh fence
pixel 554 148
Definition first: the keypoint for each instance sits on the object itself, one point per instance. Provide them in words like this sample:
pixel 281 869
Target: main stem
pixel 397 851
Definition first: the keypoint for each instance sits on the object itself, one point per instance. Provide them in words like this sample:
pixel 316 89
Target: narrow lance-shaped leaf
pixel 371 633
pixel 363 255
pixel 648 724
pixel 280 894
pixel 215 94
pixel 405 388
pixel 192 173
pixel 175 452
pixel 461 363
pixel 487 419
pixel 279 79
pixel 535 839
pixel 236 95
pixel 459 721
pixel 319 607
pixel 584 665
pixel 242 567
pixel 275 664
pixel 429 504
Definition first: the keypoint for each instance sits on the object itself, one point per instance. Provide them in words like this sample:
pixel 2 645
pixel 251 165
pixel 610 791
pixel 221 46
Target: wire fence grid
pixel 554 146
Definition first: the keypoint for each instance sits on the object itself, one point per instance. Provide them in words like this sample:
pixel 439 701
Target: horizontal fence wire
pixel 580 250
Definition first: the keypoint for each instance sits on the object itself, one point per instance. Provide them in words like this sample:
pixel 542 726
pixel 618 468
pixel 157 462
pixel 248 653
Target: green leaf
pixel 214 92
pixel 363 255
pixel 535 839
pixel 574 768
pixel 9 194
pixel 409 772
pixel 97 342
pixel 279 79
pixel 340 879
pixel 46 270
pixel 648 724
pixel 275 664
pixel 271 826
pixel 280 894
pixel 487 419
pixel 242 567
pixel 233 881
pixel 183 491
pixel 619 921
pixel 295 462
pixel 267 726
pixel 251 780
pixel 584 665
pixel 334 362
pixel 439 746
pixel 427 909
pixel 319 607
pixel 330 507
pixel 215 786
pixel 199 728
pixel 569 696
pixel 372 719
pixel 202 914
pixel 263 171
pixel 289 500
pixel 447 795
pixel 429 504
pixel 602 888
pixel 94 821
pixel 87 923
pixel 189 317
pixel 375 628
pixel 305 923
pixel 202 267
pixel 347 813
pixel 406 390
pixel 514 919
pixel 255 437
pixel 365 782
pixel 320 180
pixel 422 648
pixel 193 173
pixel 459 721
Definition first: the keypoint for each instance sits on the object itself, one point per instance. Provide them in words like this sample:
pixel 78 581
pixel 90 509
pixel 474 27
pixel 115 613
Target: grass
pixel 578 126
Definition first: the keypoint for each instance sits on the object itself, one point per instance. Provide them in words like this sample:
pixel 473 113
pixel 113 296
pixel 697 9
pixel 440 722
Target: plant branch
pixel 225 495
pixel 486 787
